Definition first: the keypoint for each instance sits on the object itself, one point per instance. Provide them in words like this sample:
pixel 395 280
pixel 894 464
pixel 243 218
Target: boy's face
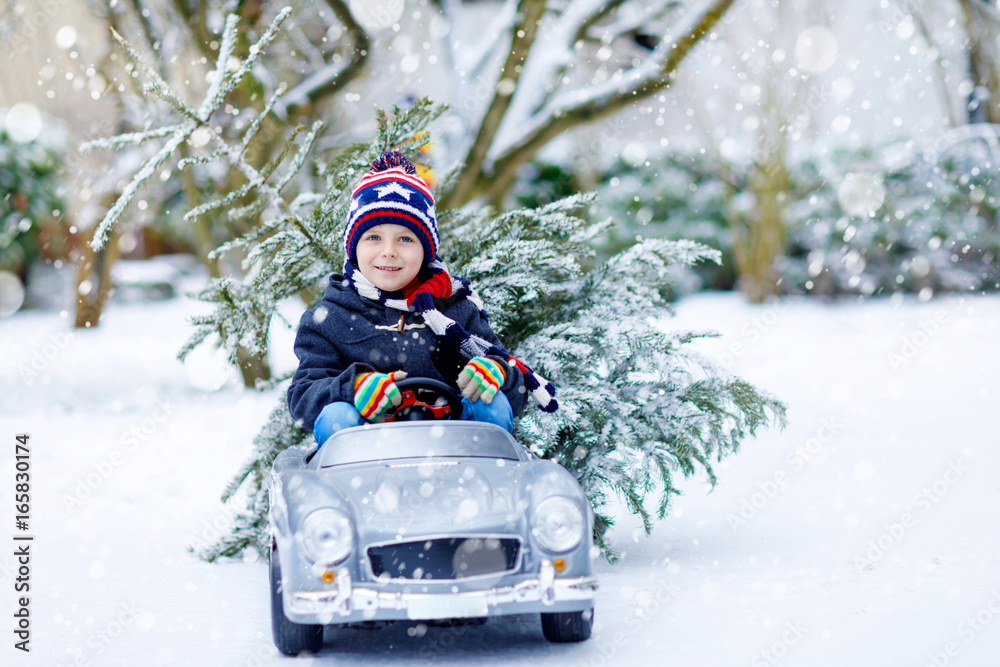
pixel 390 256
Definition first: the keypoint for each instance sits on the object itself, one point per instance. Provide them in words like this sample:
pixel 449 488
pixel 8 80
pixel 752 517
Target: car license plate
pixel 447 606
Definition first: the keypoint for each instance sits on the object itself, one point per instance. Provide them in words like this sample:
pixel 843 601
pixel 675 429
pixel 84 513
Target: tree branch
pixel 586 24
pixel 586 106
pixel 531 12
pixel 632 24
pixel 473 61
pixel 328 81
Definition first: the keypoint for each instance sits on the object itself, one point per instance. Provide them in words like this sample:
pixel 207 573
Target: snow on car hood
pixel 420 497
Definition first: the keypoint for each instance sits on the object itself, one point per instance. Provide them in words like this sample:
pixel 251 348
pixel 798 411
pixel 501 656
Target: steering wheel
pixel 422 400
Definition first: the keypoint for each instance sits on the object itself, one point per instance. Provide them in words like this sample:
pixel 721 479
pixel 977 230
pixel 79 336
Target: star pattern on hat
pixel 393 187
pixel 392 193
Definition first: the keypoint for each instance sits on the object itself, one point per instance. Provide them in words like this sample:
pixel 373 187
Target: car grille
pixel 446 558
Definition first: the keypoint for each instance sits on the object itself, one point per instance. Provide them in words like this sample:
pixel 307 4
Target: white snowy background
pixel 866 533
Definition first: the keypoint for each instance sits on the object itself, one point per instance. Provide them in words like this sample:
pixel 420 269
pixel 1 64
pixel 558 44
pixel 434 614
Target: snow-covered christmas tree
pixel 638 406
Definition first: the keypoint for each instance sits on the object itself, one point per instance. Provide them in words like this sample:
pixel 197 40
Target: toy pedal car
pixel 426 518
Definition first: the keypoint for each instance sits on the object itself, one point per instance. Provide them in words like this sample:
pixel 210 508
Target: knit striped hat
pixel 392 193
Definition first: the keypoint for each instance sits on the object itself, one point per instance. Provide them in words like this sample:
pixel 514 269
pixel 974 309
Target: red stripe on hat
pixel 394 174
pixel 389 213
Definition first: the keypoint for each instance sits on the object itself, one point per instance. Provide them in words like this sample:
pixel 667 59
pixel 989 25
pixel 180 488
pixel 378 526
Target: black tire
pixel 569 626
pixel 290 638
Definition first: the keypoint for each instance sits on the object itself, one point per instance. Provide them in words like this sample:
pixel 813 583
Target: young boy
pixel 394 312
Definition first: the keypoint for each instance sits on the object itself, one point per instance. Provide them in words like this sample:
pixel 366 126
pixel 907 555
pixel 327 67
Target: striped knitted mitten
pixel 374 393
pixel 481 379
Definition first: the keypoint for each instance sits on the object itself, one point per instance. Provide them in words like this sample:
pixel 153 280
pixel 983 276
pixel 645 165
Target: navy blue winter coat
pixel 346 334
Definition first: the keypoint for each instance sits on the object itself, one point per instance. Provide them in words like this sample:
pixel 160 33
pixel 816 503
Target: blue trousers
pixel 339 414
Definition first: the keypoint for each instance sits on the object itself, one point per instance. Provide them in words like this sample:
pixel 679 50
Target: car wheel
pixel 290 638
pixel 570 626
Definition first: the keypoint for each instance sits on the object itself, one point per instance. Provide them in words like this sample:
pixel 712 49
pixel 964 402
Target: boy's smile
pixel 390 256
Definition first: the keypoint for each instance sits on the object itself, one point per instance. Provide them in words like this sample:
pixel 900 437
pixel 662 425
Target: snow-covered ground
pixel 866 533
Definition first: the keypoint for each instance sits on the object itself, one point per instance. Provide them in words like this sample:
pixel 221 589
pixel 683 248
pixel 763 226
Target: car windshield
pixel 384 442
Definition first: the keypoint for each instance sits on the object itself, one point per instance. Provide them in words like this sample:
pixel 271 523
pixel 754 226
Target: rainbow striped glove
pixel 481 379
pixel 374 393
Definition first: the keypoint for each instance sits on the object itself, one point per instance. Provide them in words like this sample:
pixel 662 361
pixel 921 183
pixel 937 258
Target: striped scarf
pixel 435 283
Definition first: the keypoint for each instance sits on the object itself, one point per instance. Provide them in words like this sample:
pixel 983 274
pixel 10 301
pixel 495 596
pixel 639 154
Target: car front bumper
pixel 348 603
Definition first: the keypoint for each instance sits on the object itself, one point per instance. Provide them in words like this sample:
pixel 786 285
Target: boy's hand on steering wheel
pixel 374 393
pixel 481 379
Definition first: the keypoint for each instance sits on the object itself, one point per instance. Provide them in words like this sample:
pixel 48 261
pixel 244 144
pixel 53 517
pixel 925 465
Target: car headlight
pixel 557 523
pixel 327 535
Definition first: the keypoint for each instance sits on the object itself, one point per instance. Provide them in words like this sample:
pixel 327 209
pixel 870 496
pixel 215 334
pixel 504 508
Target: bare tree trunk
pixel 93 282
pixel 254 368
pixel 766 234
pixel 759 235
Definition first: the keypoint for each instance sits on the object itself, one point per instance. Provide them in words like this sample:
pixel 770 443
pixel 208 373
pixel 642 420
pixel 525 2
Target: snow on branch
pixel 256 51
pixel 651 75
pixel 550 55
pixel 333 76
pixel 472 61
pixel 254 128
pixel 148 169
pixel 631 22
pixel 156 84
pixel 300 156
pixel 212 98
pixel 129 139
pixel 300 93
pixel 222 84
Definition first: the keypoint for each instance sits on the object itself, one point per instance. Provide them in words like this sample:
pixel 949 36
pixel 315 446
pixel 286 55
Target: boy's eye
pixel 409 239
pixel 372 237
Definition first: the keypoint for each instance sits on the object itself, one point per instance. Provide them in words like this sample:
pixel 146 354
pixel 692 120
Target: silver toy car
pixel 426 518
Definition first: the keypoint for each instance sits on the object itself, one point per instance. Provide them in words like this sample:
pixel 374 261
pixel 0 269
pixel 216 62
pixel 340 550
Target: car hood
pixel 429 496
